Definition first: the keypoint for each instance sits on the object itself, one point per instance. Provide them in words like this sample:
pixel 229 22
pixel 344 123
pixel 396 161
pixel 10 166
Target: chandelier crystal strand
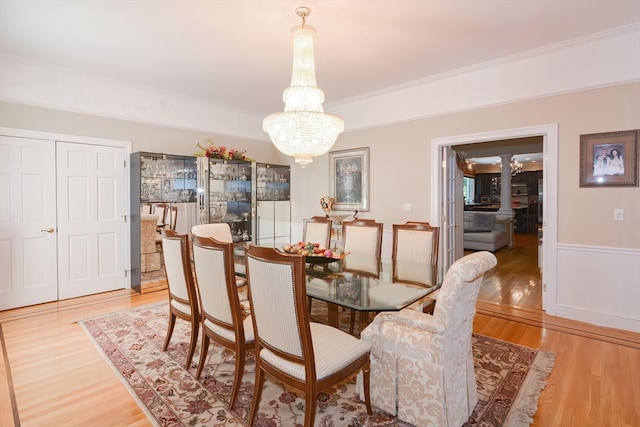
pixel 303 130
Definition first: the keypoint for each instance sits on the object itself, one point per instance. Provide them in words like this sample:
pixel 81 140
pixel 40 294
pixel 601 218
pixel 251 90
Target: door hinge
pixel 544 287
pixel 125 163
pixel 126 273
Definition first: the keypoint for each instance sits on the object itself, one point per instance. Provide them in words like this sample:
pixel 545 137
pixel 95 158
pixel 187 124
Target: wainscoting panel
pixel 599 285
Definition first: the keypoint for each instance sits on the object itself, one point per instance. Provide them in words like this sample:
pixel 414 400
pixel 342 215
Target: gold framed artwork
pixel 349 179
pixel 609 159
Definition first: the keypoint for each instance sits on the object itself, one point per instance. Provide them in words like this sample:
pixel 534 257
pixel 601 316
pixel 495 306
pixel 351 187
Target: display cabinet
pixel 273 201
pixel 166 179
pixel 253 198
pixel 226 193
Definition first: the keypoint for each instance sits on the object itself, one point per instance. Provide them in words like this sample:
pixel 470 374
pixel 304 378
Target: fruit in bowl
pixel 310 249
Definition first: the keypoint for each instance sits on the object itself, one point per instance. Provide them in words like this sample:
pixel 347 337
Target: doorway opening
pixel 549 135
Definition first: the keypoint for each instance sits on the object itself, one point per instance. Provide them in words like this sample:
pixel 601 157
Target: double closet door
pixel 62 217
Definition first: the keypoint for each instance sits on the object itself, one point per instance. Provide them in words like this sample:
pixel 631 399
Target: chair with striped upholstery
pixel 302 354
pixel 224 320
pixel 183 298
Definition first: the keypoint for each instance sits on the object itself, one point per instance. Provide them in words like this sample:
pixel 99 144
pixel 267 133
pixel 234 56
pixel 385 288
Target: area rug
pixel 510 378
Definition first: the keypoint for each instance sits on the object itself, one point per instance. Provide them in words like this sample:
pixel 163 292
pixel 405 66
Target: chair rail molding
pixel 599 285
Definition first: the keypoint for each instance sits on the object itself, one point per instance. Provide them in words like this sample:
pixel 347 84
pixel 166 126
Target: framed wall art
pixel 349 179
pixel 609 159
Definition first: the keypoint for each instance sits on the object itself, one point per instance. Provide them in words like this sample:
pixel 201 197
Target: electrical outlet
pixel 618 214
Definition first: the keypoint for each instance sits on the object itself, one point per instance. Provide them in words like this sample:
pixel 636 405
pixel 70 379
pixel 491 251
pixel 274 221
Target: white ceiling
pixel 238 52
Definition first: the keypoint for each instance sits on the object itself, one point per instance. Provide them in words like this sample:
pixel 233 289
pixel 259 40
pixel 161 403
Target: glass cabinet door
pixel 167 178
pixel 225 194
pixel 273 197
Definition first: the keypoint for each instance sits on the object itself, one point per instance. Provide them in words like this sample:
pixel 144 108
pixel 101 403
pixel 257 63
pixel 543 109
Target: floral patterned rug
pixel 509 377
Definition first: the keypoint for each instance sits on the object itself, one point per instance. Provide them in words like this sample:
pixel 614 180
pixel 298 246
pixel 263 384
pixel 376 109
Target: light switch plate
pixel 618 214
pixel 407 207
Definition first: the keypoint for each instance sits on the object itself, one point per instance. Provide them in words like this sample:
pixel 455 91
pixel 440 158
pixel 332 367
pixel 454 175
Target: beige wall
pixel 401 160
pixel 144 137
pixel 401 163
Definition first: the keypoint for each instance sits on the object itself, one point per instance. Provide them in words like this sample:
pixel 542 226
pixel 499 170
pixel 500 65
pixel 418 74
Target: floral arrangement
pixel 212 151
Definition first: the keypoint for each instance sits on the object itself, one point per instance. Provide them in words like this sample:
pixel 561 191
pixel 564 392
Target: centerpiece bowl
pixel 314 253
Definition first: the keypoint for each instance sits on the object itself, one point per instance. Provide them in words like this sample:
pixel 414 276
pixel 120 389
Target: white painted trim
pixel 572 66
pixel 603 59
pixel 549 133
pixel 599 285
pixel 125 145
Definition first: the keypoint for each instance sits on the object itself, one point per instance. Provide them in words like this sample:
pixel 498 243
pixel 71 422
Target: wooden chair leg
pixel 237 377
pixel 172 324
pixel 195 328
pixel 204 349
pixel 257 393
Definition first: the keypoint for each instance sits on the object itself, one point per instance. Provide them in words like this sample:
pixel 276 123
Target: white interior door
pixel 91 221
pixel 27 222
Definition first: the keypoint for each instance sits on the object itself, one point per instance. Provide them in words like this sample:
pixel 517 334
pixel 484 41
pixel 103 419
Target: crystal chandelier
pixel 303 130
pixel 516 166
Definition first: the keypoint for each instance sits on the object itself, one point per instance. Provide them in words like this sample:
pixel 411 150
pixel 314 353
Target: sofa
pixel 481 233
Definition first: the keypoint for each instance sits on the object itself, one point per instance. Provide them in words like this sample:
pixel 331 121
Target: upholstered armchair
pixel 422 364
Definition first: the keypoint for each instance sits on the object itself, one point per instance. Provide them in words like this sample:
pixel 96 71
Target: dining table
pixel 366 285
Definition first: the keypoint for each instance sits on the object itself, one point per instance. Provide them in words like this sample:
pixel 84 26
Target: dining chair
pixel 305 355
pixel 362 240
pixel 171 218
pixel 221 231
pixel 433 351
pixel 363 237
pixel 183 298
pixel 415 244
pixel 317 229
pixel 160 209
pixel 145 208
pixel 223 319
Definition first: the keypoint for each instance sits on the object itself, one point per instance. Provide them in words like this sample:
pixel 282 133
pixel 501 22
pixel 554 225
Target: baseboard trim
pixel 542 320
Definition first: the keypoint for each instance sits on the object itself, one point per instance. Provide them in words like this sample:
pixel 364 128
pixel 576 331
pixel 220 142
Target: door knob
pixel 48 230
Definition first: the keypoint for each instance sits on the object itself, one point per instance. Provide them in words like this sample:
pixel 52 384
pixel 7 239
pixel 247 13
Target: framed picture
pixel 349 179
pixel 609 159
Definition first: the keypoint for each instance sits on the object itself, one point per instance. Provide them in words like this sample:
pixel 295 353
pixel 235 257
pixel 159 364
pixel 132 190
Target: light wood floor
pixel 516 280
pixel 52 375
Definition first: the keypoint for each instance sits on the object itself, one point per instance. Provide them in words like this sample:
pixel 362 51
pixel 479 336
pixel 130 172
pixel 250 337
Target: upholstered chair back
pixel 415 242
pixel 433 350
pixel 317 230
pixel 174 251
pixel 273 296
pixel 458 295
pixel 160 209
pixel 219 231
pixel 362 237
pixel 183 298
pixel 212 272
